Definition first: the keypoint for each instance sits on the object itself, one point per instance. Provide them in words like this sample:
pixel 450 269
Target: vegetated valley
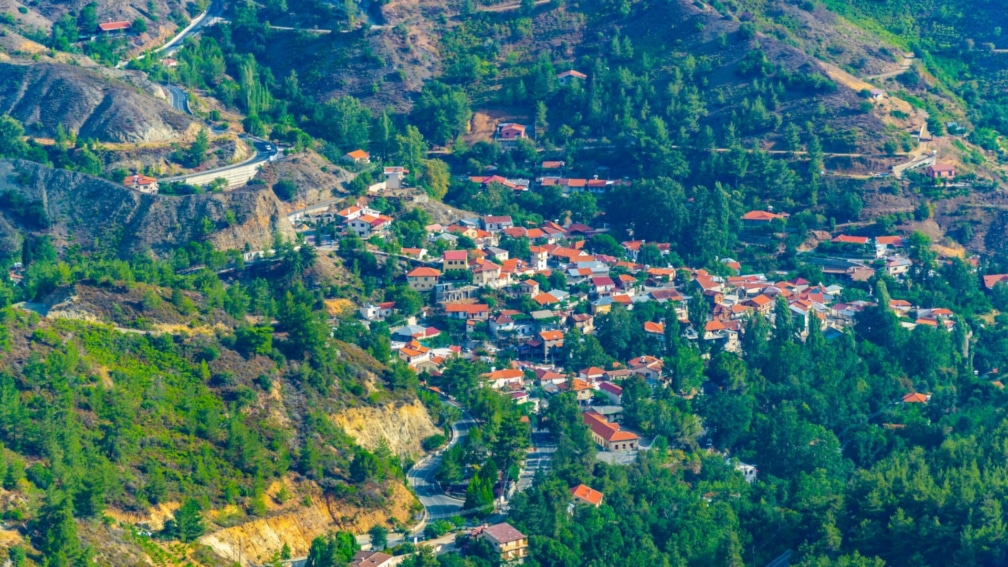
pixel 471 283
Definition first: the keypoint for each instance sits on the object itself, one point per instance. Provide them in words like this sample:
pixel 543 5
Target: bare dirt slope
pixel 88 103
pixel 97 214
pixel 316 179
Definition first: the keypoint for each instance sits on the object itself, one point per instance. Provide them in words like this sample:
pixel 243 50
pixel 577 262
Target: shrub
pixel 433 442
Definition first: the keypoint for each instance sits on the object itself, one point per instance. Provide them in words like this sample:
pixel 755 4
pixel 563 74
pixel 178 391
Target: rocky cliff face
pixel 255 541
pixel 97 214
pixel 401 426
pixel 89 103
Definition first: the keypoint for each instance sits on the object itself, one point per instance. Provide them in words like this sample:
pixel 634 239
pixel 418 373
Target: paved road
pixel 178 99
pixel 543 447
pixel 215 9
pixel 265 151
pixel 436 503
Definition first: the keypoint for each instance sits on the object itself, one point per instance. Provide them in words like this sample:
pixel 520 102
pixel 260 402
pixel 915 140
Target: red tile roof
pixel 587 494
pixel 505 374
pixel 654 328
pixel 994 279
pixel 551 335
pixel 763 216
pixel 606 430
pixel 503 533
pixel 423 272
pixel 845 239
pixel 114 26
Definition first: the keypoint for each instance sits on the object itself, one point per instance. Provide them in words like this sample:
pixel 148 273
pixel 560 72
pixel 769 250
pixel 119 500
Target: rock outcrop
pixel 255 541
pixel 97 214
pixel 401 426
pixel 88 103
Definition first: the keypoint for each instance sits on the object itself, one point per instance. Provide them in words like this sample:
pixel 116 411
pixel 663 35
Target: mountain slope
pixel 97 214
pixel 43 96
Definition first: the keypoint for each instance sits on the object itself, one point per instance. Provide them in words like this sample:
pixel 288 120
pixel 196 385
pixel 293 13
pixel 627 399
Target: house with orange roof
pixel 942 171
pixel 545 299
pixel 585 495
pixel 487 274
pixel 992 280
pixel 467 311
pixel 423 279
pixel 916 398
pixel 569 77
pixel 414 353
pixel 851 240
pixel 583 391
pixel 551 342
pixel 536 234
pixel 503 379
pixel 762 304
pixel 356 211
pixel 141 183
pixel 416 253
pixel 649 367
pixel 726 331
pixel 547 376
pixel 357 156
pixel 366 226
pixel 591 374
pixel 894 241
pixel 528 288
pixel 654 329
pixel 509 132
pixel 539 258
pixel 608 435
pixel 111 27
pixel 761 218
pixel 632 248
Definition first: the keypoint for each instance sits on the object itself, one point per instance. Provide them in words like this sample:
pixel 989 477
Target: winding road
pixel 178 99
pixel 201 21
pixel 237 173
pixel 437 504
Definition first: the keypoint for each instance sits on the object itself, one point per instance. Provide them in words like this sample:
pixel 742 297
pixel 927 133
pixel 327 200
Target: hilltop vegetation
pixel 203 403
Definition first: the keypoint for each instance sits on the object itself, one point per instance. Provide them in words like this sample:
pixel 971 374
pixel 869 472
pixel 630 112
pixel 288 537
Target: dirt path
pixel 511 6
pixel 904 65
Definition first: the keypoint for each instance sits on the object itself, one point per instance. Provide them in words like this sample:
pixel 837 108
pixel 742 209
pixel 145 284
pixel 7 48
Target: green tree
pixel 189 521
pixel 336 550
pixel 54 532
pixel 411 148
pixel 435 178
pixel 198 149
pixel 379 536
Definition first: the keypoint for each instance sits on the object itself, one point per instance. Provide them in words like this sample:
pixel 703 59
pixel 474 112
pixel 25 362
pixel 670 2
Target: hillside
pixel 88 104
pixel 99 215
pixel 159 418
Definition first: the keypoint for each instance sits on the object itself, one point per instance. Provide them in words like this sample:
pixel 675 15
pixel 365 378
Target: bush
pixel 438 528
pixel 433 442
pixel 40 476
pixel 285 189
